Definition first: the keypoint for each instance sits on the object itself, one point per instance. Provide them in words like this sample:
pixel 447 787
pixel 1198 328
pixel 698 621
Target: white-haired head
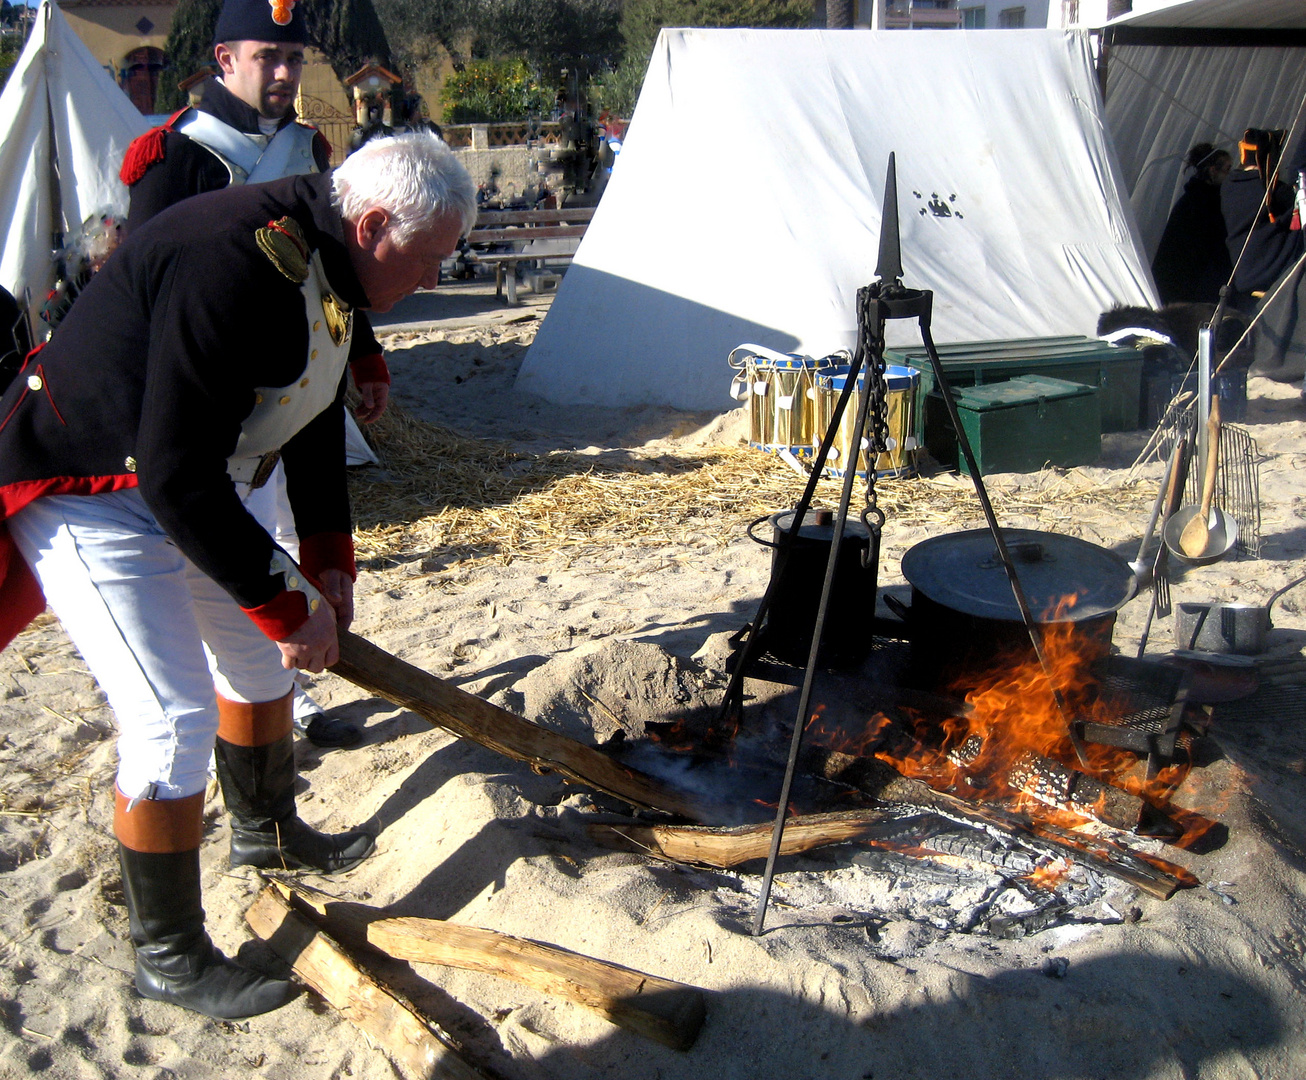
pixel 414 176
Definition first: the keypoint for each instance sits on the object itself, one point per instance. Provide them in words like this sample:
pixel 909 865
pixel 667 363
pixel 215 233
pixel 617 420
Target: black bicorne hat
pixel 262 20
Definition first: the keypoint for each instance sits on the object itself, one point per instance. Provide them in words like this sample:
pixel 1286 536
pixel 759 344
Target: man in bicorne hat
pixel 244 131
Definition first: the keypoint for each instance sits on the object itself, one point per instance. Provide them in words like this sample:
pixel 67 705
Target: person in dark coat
pixel 1257 205
pixel 244 130
pixel 212 346
pixel 1192 263
pixel 1258 208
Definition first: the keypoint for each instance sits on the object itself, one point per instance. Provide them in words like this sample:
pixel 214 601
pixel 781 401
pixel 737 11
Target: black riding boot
pixel 175 960
pixel 255 756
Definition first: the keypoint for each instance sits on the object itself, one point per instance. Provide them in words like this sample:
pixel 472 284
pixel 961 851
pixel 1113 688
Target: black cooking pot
pixel 787 630
pixel 964 618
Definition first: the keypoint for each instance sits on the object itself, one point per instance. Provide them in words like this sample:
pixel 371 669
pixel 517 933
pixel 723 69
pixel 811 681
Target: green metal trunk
pixel 1020 425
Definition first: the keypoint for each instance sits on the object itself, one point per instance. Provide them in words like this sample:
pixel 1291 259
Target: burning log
pixel 469 717
pixel 1057 785
pixel 886 785
pixel 660 1009
pixel 725 848
pixel 412 1040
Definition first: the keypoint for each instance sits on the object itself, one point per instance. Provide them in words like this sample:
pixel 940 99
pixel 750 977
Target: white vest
pixel 281 412
pixel 288 153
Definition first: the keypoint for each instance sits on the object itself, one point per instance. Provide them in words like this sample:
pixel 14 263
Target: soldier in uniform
pixel 244 131
pixel 210 347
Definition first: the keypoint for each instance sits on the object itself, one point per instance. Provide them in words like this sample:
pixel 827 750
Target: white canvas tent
pixel 1199 71
pixel 746 205
pixel 64 127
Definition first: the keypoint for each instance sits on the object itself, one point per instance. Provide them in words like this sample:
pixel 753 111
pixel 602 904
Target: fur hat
pixel 281 21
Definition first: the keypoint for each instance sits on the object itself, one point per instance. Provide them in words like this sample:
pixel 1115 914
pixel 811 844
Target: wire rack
pixel 1238 483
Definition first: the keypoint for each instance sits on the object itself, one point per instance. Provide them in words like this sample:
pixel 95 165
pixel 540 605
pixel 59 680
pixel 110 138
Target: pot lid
pixel 962 571
pixel 819 525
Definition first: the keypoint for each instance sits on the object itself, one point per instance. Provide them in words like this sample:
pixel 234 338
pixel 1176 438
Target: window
pixel 1012 18
pixel 972 18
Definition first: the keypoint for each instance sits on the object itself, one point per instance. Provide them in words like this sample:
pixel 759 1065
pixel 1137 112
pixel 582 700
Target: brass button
pixel 303 382
pixel 130 464
pixel 258 399
pixel 313 604
pixel 313 355
pixel 293 582
pixel 317 326
pixel 284 401
pixel 34 382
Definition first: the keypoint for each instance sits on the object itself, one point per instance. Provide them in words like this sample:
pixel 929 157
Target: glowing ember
pixel 1049 875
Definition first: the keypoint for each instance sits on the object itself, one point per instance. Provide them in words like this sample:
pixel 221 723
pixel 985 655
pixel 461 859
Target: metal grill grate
pixel 1144 701
pixel 1238 491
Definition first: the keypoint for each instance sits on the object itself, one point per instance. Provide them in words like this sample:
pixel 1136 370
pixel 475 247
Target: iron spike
pixel 889 268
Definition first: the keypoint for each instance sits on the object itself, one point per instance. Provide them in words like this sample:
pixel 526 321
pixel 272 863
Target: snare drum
pixel 780 389
pixel 899 456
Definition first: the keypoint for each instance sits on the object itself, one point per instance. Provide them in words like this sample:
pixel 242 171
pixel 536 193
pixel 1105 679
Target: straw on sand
pixel 472 499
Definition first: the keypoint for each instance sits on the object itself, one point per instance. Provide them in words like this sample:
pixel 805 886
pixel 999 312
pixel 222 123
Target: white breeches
pixel 158 634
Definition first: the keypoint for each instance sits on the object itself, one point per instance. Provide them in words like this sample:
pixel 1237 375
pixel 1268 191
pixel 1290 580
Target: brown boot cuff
pixel 159 826
pixel 256 723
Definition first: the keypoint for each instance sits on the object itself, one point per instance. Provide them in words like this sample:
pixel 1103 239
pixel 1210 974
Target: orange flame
pixel 1013 710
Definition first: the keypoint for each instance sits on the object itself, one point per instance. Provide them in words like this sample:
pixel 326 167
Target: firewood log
pixel 443 705
pixel 413 1041
pixel 660 1009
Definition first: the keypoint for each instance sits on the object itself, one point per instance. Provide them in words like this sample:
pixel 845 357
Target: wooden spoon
pixel 1197 533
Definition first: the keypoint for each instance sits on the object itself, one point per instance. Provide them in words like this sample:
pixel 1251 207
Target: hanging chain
pixel 870 344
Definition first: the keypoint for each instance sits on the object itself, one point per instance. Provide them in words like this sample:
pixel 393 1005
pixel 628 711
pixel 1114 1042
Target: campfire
pixel 978 780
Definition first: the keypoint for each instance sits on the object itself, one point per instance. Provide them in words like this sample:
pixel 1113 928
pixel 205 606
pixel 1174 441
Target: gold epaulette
pixel 284 243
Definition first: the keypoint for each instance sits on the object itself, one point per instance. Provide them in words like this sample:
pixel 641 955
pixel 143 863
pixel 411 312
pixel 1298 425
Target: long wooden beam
pixel 469 717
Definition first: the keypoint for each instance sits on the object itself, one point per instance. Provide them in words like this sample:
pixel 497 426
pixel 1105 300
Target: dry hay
pixel 470 498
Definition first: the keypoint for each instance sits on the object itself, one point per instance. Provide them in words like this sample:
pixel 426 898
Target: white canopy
pixel 1200 71
pixel 64 127
pixel 1220 14
pixel 746 205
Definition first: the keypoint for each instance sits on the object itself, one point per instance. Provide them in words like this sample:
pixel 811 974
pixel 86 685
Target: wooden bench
pixel 497 227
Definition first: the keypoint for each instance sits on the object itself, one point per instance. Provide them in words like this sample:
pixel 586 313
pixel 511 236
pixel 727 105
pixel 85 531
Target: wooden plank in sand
pixel 659 1009
pixel 373 1009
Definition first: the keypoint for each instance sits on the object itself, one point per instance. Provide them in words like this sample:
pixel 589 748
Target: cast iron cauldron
pixel 964 618
pixel 787 632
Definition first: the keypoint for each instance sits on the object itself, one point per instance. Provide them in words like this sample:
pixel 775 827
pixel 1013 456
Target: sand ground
pixel 854 979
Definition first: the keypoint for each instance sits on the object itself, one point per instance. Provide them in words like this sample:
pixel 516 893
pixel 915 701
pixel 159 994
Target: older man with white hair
pixel 212 346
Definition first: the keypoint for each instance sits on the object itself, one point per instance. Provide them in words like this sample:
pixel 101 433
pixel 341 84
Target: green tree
pixel 641 20
pixel 11 47
pixel 491 91
pixel 189 49
pixel 348 33
pixel 552 35
pixel 421 31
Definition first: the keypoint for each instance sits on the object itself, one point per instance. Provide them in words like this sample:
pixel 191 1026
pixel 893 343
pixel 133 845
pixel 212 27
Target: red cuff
pixel 371 368
pixel 281 616
pixel 327 551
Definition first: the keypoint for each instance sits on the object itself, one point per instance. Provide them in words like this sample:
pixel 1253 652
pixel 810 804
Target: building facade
pixel 955 14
